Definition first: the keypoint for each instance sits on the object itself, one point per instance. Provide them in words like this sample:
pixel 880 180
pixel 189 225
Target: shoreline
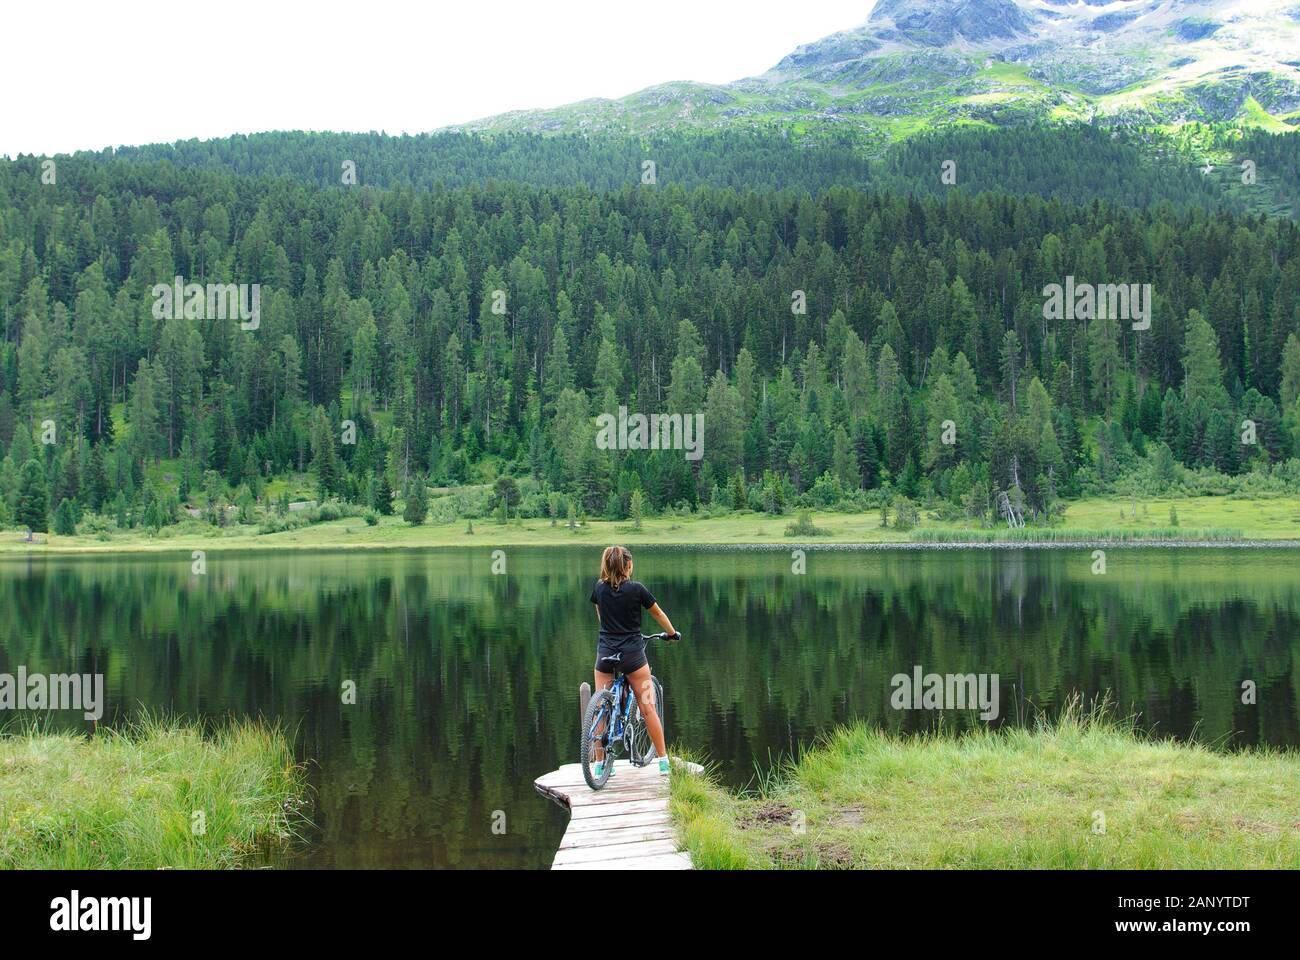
pixel 15 552
pixel 1103 523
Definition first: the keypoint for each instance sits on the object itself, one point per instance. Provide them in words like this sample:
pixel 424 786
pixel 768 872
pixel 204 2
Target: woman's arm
pixel 663 619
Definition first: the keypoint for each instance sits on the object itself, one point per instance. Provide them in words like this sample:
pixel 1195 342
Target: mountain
pixel 917 64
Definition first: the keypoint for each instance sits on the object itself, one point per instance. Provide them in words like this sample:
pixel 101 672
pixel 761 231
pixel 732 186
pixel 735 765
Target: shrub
pixel 906 515
pixel 330 510
pixel 804 527
pixel 826 490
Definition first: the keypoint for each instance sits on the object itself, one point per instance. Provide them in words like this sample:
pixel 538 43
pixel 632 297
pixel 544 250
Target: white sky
pixel 85 75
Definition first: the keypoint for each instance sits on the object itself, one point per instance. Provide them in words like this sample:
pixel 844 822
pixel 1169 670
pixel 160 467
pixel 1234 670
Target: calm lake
pixel 466 681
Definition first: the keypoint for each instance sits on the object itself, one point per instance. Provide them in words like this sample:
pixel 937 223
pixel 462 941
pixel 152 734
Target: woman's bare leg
pixel 646 693
pixel 603 680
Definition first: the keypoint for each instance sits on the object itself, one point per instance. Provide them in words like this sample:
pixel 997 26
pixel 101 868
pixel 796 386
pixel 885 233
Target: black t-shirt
pixel 620 610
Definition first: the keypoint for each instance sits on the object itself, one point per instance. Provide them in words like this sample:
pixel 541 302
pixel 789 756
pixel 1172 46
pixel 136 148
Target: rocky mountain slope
pixel 917 64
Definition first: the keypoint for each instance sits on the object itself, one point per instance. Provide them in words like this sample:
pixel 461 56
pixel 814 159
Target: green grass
pixel 128 799
pixel 1063 535
pixel 1084 792
pixel 1104 518
pixel 1257 518
pixel 1013 73
pixel 1256 116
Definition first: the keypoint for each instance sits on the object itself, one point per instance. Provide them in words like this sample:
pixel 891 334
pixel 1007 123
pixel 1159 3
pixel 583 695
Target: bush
pixel 906 515
pixel 804 527
pixel 330 510
pixel 95 524
pixel 278 524
pixel 826 490
pixel 948 512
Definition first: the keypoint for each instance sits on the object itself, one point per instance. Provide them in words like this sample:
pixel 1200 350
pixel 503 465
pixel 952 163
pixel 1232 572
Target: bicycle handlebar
pixel 670 637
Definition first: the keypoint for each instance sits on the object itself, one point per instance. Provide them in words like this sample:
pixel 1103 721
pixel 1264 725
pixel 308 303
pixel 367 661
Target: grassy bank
pixel 1098 519
pixel 157 794
pixel 1081 793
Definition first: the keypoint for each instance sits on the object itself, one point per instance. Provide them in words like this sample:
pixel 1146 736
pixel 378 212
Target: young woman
pixel 619 601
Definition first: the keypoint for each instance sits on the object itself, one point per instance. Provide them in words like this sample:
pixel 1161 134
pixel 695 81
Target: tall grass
pixel 156 793
pixel 1063 535
pixel 1082 791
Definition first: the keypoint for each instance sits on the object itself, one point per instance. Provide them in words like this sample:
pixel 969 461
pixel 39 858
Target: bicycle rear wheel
pixel 641 748
pixel 595 737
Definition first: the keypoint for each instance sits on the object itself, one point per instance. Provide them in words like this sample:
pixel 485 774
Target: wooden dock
pixel 624 826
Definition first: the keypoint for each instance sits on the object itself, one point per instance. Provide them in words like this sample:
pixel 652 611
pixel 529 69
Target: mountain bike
pixel 613 720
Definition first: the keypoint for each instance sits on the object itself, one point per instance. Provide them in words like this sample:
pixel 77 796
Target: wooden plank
pixel 619 783
pixel 617 834
pixel 612 809
pixel 620 796
pixel 610 798
pixel 587 824
pixel 672 861
pixel 616 851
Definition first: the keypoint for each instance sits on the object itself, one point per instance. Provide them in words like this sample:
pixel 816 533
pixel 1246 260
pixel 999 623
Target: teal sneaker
pixel 599 771
pixel 663 765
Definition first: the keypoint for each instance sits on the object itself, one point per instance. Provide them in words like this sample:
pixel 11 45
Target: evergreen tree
pixel 1203 372
pixel 65 518
pixel 417 502
pixel 324 459
pixel 32 510
pixel 1290 372
pixel 636 508
pixel 723 426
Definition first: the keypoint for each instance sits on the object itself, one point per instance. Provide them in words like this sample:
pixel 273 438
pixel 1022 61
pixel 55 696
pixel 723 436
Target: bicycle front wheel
pixel 594 748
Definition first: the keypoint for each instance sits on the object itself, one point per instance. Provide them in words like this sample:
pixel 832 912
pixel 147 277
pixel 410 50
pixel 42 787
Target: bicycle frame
pixel 616 726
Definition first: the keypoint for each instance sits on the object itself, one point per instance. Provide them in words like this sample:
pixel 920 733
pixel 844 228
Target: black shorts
pixel 613 656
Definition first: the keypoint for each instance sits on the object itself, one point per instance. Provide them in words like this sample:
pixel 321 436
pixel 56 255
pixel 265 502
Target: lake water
pixel 467 681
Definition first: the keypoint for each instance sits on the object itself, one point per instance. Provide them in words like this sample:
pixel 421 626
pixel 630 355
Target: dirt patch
pixel 1255 826
pixel 766 815
pixel 819 855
